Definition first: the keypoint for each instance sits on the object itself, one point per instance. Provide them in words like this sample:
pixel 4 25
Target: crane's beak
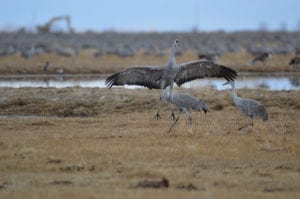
pixel 225 83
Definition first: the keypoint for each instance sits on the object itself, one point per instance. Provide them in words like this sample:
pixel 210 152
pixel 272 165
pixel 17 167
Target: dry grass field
pixel 105 143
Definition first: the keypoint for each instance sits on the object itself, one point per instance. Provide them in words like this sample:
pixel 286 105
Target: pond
pixel 269 81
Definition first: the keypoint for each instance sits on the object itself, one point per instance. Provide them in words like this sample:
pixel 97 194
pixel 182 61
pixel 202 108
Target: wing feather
pixel 200 69
pixel 142 76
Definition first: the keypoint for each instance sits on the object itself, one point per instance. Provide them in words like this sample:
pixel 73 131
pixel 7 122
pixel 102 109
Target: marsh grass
pixel 93 142
pixel 109 154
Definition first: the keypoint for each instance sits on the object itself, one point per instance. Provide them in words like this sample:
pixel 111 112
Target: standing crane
pixel 184 102
pixel 46 28
pixel 262 58
pixel 164 76
pixel 249 107
pixel 295 61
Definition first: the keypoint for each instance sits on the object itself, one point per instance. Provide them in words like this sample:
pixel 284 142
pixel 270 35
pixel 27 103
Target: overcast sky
pixel 154 15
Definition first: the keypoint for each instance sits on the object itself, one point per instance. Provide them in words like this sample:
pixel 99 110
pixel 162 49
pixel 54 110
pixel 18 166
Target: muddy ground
pixel 105 143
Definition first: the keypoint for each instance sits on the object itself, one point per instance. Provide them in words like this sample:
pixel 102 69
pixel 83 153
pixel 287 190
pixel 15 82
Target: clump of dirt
pixel 155 184
pixel 188 187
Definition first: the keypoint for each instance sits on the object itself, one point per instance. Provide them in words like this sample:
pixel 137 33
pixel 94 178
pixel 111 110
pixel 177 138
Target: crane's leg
pixel 250 123
pixel 173 115
pixel 175 121
pixel 189 115
pixel 162 86
pixel 190 119
pixel 159 101
pixel 170 104
pixel 243 127
pixel 172 112
pixel 158 109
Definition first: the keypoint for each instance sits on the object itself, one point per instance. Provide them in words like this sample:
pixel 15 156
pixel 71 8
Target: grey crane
pixel 46 66
pixel 262 58
pixel 163 76
pixel 184 102
pixel 295 61
pixel 249 107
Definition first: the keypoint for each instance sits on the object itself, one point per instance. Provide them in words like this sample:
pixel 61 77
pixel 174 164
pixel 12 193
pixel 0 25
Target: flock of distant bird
pixel 268 55
pixel 164 77
pixel 259 58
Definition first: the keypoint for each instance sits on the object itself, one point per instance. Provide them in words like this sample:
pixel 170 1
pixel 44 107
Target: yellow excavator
pixel 46 28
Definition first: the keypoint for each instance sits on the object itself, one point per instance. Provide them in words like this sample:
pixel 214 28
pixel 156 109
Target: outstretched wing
pixel 143 76
pixel 200 69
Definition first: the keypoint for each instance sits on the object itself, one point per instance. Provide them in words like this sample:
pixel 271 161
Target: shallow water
pixel 269 81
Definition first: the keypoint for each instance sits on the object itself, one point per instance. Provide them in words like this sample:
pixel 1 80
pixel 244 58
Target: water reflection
pixel 295 81
pixel 271 82
pixel 276 83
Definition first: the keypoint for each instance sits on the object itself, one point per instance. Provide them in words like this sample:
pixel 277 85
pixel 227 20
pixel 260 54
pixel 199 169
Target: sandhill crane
pixel 184 102
pixel 163 76
pixel 46 66
pixel 262 58
pixel 249 107
pixel 295 61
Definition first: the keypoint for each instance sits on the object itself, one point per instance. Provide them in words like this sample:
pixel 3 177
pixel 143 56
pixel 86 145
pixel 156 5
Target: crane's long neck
pixel 233 93
pixel 172 60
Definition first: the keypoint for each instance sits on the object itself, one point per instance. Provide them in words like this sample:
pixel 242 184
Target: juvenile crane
pixel 184 102
pixel 249 107
pixel 164 76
